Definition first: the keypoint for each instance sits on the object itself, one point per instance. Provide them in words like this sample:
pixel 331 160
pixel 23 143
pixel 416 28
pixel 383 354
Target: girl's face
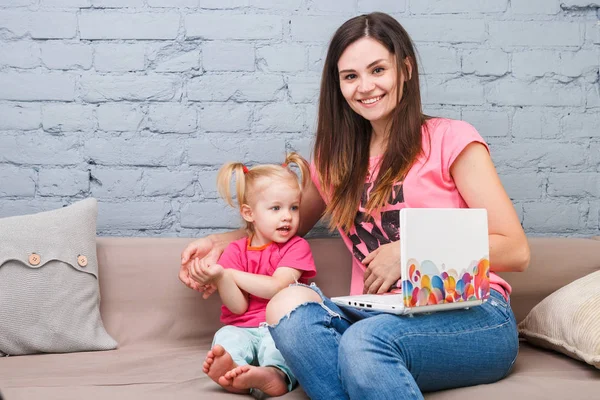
pixel 275 211
pixel 368 79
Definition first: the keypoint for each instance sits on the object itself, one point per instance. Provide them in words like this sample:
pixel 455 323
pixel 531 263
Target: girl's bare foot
pixel 269 380
pixel 217 363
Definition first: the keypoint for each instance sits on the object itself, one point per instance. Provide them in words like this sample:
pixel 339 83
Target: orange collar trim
pixel 257 248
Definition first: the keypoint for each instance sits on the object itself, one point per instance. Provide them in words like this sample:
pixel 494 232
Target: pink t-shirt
pixel 295 253
pixel 427 184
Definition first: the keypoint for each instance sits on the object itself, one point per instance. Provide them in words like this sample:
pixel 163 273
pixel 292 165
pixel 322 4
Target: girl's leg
pixel 307 327
pixel 398 357
pixel 268 355
pixel 240 343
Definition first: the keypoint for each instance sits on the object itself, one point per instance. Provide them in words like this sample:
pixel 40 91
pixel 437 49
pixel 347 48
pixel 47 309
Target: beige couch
pixel 164 329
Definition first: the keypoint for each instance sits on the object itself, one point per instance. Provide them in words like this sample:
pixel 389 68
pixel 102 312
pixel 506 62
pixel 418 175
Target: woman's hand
pixel 201 249
pixel 383 268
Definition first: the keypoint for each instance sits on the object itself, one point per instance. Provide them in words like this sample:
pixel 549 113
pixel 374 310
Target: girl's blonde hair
pixel 247 178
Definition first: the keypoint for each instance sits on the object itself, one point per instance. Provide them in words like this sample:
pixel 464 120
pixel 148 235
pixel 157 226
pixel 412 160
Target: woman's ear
pixel 246 212
pixel 408 64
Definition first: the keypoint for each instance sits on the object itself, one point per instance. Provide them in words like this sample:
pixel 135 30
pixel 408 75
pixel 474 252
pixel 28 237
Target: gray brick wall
pixel 138 102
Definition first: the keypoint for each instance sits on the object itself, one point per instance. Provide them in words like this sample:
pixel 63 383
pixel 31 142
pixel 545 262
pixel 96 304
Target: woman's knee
pixel 288 300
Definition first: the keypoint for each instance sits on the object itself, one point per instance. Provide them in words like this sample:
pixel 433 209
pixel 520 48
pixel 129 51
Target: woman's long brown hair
pixel 343 137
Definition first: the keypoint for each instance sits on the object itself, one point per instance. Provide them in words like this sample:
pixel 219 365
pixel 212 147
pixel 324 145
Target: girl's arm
pixel 479 185
pixel 266 286
pixel 231 295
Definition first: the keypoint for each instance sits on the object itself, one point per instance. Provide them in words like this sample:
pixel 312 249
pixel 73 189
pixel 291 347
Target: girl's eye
pixel 378 70
pixel 295 208
pixel 275 208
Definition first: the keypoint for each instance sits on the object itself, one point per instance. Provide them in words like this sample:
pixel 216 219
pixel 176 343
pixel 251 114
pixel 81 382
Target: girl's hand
pixel 199 249
pixel 383 268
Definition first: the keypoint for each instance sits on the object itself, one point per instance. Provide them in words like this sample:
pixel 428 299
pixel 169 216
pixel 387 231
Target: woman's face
pixel 368 79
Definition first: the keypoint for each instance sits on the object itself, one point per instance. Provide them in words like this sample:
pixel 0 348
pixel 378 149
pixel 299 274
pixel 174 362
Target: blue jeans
pixel 344 353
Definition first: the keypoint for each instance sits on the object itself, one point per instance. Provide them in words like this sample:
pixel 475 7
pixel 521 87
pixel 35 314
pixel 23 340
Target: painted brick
pixel 65 3
pixel 485 62
pixel 223 4
pixel 535 33
pixel 535 123
pixel 119 117
pixel 279 117
pixel 458 6
pixel 532 156
pixel 117 3
pixel 37 86
pixel 574 185
pixel 66 56
pixel 172 118
pixel 63 182
pixel 316 58
pixel 20 54
pixel 39 25
pixel 100 88
pixel 173 3
pixel 390 6
pixel 223 27
pixel 223 87
pixel 169 183
pixel 553 216
pixel 512 92
pixel 304 89
pixel 579 4
pixel 438 60
pixel 488 123
pixel 314 28
pixel 40 149
pixel 303 146
pixel 17 181
pixel 20 116
pixel 551 7
pixel 29 206
pixel 284 57
pixel 119 57
pixel 179 61
pixel 581 125
pixel 207 182
pixel 223 56
pixel 464 91
pixel 217 151
pixel 441 111
pixel 116 183
pixel 16 3
pixel 68 118
pixel 98 24
pixel 334 6
pixel 592 97
pixel 225 117
pixel 528 186
pixel 445 30
pixel 133 215
pixel 198 215
pixel 146 152
pixel 288 5
pixel 538 63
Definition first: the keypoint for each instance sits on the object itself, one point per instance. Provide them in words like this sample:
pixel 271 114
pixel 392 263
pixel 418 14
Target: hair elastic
pixel 245 169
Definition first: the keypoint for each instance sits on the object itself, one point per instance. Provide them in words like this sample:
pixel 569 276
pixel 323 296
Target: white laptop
pixel 444 256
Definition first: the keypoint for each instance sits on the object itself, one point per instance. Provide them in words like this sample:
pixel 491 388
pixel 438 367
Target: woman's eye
pixel 350 77
pixel 378 70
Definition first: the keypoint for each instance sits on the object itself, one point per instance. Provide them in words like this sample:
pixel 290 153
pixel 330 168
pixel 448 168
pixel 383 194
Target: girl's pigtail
pixel 302 164
pixel 224 182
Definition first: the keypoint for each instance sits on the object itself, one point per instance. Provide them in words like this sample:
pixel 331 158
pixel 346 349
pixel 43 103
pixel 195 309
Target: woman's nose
pixel 366 85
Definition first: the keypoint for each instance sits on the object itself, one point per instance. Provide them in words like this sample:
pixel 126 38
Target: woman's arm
pixel 478 183
pixel 266 286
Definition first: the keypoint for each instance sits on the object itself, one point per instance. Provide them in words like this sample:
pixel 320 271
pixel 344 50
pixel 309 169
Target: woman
pixel 375 153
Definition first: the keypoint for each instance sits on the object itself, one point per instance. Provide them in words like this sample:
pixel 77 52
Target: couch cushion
pixel 568 320
pixel 49 294
pixel 175 372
